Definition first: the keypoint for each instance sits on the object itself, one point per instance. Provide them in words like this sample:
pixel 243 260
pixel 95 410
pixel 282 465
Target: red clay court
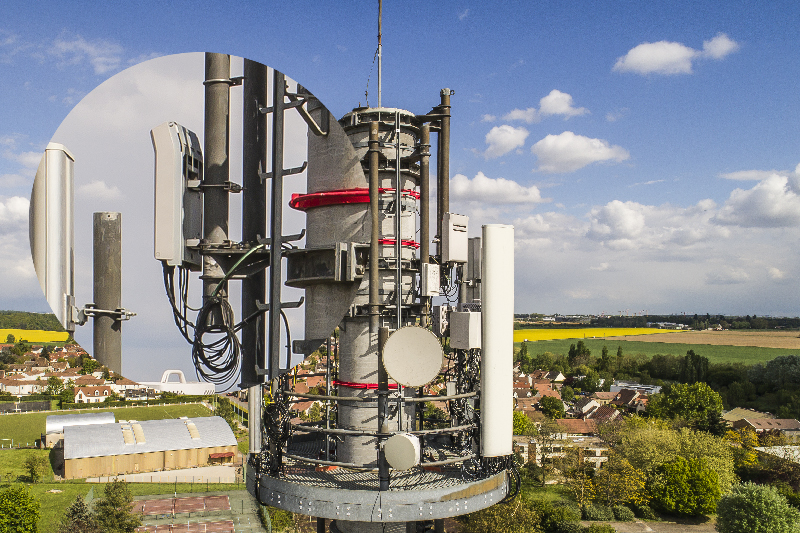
pixel 165 506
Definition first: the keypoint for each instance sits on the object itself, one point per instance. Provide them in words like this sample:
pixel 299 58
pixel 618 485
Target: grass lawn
pixel 28 427
pixel 716 354
pixel 53 504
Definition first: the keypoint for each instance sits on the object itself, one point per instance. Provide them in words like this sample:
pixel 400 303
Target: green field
pixel 25 428
pixel 53 504
pixel 716 354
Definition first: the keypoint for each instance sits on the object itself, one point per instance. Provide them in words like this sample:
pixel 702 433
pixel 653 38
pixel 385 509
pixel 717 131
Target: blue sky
pixel 645 152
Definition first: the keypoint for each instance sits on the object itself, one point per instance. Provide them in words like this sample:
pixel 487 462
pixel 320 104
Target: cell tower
pixel 375 461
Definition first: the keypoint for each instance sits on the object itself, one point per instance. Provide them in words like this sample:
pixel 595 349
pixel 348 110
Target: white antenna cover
pixel 402 451
pixel 412 356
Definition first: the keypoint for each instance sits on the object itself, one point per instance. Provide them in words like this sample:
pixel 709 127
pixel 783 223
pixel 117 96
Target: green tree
pixel 54 386
pixel 67 395
pixel 685 487
pixel 578 474
pixel 315 413
pixel 113 511
pixel 36 465
pixel 618 482
pixel 10 339
pixel 567 394
pixel 78 519
pixel 19 511
pixel 590 382
pixel 650 443
pixel 694 403
pixel 522 424
pixel 693 368
pixel 578 354
pixel 517 517
pixel 552 407
pixel 89 366
pixel 225 411
pixel 547 434
pixel 751 508
pixel 604 363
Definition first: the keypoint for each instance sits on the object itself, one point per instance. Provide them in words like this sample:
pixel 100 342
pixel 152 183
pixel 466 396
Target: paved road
pixel 661 527
pixel 212 474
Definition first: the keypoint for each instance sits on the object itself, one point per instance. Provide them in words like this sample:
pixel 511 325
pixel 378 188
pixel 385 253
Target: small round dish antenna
pixel 412 356
pixel 402 451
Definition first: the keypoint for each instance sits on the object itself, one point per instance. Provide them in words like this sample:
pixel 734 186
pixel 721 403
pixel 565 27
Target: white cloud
pixel 463 14
pixel 602 267
pixel 617 114
pixel 727 276
pixel 719 46
pixel 530 115
pixel 775 273
pixel 13 180
pixel 618 223
pixel 666 57
pixel 13 214
pixel 631 225
pixel 558 103
pixel 488 118
pixel 492 190
pixel 748 175
pixel 503 139
pixel 104 56
pixel 555 103
pixel 29 159
pixel 773 202
pixel 662 57
pixel 99 190
pixel 568 152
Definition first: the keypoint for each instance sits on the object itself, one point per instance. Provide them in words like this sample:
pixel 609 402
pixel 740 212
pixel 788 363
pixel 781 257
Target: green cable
pixel 234 267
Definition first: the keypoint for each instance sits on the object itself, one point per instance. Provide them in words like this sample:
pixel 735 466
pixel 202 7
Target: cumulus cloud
pixel 773 202
pixel 503 139
pixel 631 225
pixel 13 214
pixel 666 57
pixel 568 152
pixel 727 276
pixel 555 103
pixel 558 103
pixel 530 115
pixel 104 56
pixel 719 46
pixel 663 57
pixel 775 273
pixel 488 118
pixel 29 159
pixel 492 190
pixel 619 223
pixel 99 190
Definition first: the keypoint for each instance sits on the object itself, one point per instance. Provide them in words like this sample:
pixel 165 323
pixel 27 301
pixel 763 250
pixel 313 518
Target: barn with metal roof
pixel 130 447
pixel 55 424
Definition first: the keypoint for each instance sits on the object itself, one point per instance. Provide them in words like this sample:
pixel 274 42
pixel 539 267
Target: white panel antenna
pixel 178 200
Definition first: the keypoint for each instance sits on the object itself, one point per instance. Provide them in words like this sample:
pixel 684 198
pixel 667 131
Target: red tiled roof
pixel 773 423
pixel 604 412
pixel 577 426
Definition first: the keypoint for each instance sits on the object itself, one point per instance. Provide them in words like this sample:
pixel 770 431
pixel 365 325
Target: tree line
pixel 25 320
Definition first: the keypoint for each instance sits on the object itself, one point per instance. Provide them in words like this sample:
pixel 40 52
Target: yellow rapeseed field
pixel 33 335
pixel 549 334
